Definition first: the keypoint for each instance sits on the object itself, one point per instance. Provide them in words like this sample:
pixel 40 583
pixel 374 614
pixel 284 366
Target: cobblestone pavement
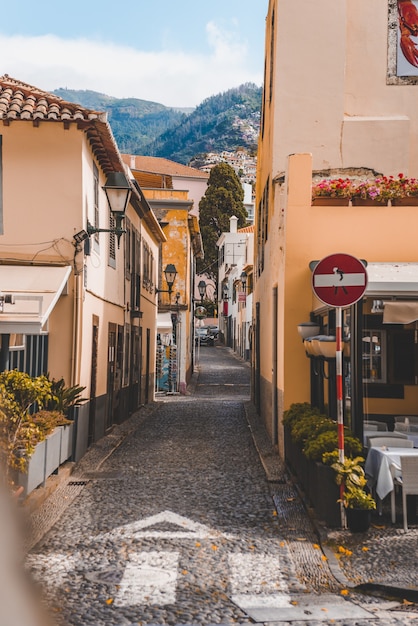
pixel 173 519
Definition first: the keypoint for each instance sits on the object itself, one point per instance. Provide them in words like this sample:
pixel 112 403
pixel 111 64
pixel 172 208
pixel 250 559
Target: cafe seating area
pixel 391 465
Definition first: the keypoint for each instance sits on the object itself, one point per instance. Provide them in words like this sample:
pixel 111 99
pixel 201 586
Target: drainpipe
pixel 76 339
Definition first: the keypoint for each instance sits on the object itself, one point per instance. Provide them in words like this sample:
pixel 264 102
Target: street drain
pixel 78 483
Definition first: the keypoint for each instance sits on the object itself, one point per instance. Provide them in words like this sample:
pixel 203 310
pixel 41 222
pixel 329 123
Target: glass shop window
pixel 374 356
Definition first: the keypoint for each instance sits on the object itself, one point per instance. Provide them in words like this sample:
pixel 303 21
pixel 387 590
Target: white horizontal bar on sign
pixel 339 280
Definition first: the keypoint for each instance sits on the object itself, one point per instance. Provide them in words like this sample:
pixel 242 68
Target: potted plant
pixel 26 427
pixel 358 503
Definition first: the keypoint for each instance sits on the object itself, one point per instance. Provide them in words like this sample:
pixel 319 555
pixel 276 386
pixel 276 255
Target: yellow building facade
pixel 77 305
pixel 349 111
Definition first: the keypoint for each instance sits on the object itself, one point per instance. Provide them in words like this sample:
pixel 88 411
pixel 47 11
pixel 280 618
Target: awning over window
pixel 400 312
pixel 164 323
pixel 392 279
pixel 28 295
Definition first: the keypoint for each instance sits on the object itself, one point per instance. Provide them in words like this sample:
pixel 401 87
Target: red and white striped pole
pixel 340 409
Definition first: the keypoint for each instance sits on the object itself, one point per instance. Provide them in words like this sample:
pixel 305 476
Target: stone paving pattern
pixel 198 457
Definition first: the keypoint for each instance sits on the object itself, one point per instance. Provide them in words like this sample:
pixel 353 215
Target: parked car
pixel 213 331
pixel 203 336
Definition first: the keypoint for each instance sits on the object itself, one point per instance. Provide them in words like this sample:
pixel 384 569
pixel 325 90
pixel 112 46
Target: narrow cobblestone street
pixel 170 519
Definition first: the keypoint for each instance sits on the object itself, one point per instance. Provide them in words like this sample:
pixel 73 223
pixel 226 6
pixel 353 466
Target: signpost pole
pixel 340 408
pixel 339 280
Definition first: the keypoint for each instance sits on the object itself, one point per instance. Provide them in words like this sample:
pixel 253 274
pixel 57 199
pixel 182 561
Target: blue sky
pixel 176 52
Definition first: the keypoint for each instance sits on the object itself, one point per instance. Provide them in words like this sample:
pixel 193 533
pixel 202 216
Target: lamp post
pixel 202 289
pixel 170 273
pixel 118 191
pixel 244 281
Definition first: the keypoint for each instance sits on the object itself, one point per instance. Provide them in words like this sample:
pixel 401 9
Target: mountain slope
pixel 134 122
pixel 226 121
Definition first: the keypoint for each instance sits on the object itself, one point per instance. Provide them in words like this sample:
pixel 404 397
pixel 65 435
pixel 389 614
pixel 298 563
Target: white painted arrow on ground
pixel 187 529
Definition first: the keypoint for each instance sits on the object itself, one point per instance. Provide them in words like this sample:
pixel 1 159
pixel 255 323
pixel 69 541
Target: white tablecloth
pixel 377 467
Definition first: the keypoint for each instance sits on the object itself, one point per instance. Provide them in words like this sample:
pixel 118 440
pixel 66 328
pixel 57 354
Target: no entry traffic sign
pixel 339 280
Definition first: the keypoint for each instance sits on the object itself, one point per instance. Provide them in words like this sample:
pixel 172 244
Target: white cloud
pixel 171 78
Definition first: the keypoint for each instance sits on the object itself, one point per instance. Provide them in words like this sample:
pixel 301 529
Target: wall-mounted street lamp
pixel 170 276
pixel 202 289
pixel 244 281
pixel 118 191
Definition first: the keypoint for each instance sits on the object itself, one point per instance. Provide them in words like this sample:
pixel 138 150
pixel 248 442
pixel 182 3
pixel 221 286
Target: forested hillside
pixel 134 122
pixel 226 121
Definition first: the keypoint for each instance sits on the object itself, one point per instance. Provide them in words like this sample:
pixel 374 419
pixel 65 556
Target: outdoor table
pixel 377 467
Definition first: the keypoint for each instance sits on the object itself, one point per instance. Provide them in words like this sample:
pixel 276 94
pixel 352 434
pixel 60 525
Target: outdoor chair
pixel 401 427
pixel 390 442
pixel 371 424
pixel 408 482
pixel 404 419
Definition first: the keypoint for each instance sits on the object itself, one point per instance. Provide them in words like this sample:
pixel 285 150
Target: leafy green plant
pixel 297 411
pixel 328 442
pixel 24 421
pixel 357 498
pixel 64 398
pixel 350 474
pixel 310 426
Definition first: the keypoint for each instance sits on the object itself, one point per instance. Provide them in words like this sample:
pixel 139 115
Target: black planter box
pixel 326 505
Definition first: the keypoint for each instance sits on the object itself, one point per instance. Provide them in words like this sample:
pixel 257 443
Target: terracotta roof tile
pixel 20 101
pixel 158 165
pixel 17 98
pixel 246 229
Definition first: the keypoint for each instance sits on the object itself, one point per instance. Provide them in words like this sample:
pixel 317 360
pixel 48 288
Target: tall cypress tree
pixel 224 197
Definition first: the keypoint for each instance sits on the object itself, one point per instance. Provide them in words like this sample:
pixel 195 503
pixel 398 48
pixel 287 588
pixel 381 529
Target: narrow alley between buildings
pixel 181 515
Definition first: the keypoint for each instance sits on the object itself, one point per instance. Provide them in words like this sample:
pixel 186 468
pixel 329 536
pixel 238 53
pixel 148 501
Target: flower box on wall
pixel 407 201
pixel 328 201
pixel 368 202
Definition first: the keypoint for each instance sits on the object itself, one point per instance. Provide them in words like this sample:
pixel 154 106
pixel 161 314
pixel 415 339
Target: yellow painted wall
pixel 173 207
pixel 329 102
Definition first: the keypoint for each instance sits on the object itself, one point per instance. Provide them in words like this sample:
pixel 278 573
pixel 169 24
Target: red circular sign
pixel 339 280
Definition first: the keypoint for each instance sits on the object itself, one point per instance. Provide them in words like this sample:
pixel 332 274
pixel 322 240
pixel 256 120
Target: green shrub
pixel 310 426
pixel 297 411
pixel 24 422
pixel 328 442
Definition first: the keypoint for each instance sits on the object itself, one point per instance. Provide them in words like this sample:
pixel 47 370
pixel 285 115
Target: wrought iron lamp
pixel 170 276
pixel 118 191
pixel 202 289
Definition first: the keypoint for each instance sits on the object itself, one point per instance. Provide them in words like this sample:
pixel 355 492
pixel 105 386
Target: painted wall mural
pixel 407 54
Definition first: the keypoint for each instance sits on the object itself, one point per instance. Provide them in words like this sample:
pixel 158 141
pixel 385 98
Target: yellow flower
pixel 344 592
